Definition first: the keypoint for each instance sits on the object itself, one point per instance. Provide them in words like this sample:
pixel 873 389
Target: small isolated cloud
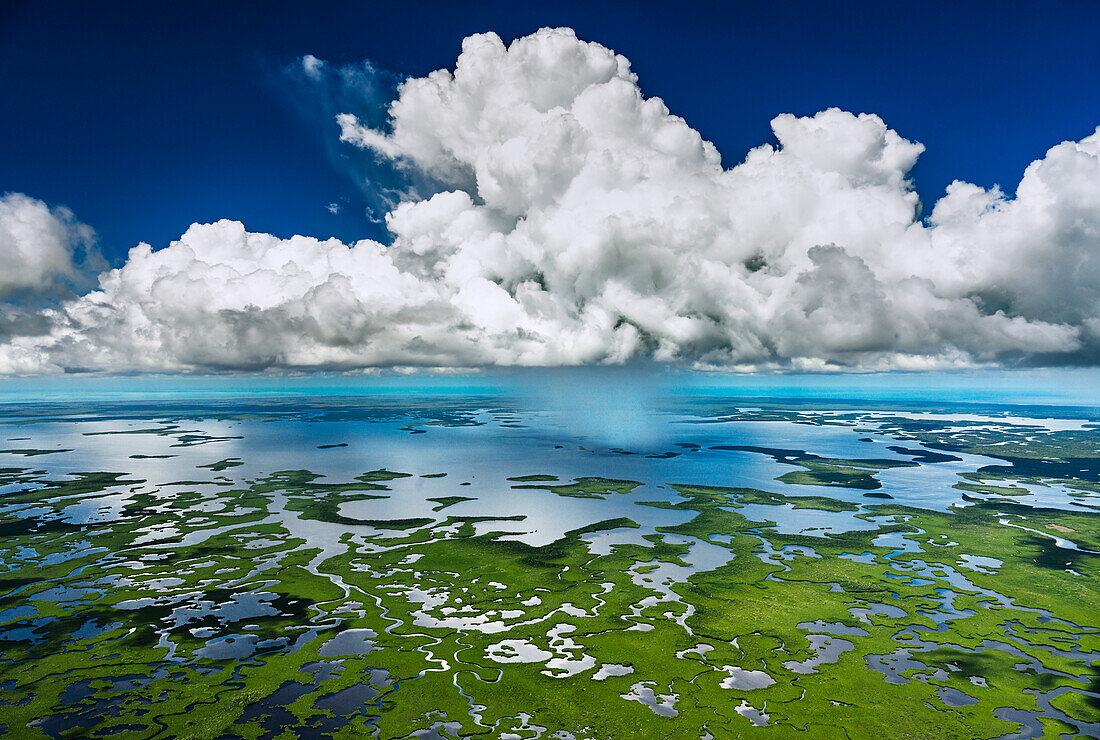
pixel 312 66
pixel 333 208
pixel 575 221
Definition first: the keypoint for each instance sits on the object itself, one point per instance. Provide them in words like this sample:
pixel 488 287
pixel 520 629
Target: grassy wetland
pixel 465 568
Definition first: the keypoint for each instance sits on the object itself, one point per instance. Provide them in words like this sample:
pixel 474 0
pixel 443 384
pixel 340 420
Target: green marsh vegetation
pixel 261 607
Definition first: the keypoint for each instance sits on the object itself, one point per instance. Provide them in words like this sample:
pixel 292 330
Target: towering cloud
pixel 577 221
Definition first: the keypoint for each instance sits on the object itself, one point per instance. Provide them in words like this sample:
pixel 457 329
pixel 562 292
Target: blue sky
pixel 758 187
pixel 146 117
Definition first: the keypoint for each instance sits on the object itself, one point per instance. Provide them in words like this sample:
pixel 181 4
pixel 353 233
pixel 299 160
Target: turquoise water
pixel 1074 387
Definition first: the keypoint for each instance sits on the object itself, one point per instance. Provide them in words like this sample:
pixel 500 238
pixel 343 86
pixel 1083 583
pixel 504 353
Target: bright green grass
pixel 441 602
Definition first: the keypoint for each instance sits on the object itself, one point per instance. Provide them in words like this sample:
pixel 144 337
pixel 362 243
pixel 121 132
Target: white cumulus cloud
pixel 578 221
pixel 37 245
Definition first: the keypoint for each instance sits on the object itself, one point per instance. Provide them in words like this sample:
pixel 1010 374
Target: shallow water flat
pixel 452 565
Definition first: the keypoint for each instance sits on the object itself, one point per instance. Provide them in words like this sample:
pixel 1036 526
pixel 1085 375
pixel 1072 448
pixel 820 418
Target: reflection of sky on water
pixel 480 444
pixel 790 520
